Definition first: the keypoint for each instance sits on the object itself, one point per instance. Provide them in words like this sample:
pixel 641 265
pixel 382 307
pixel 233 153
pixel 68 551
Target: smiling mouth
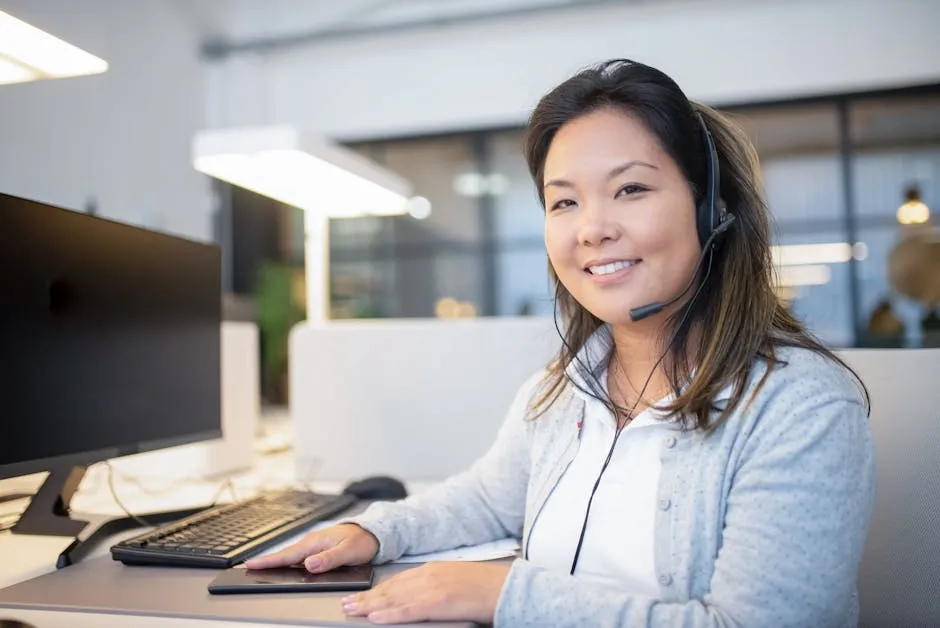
pixel 611 267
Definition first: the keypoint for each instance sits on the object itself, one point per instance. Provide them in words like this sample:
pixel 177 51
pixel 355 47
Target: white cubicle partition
pixel 419 399
pixel 899 579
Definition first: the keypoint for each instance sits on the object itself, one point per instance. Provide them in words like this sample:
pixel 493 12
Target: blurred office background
pixel 842 98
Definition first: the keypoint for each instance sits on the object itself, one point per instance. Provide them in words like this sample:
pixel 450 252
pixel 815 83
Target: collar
pixel 590 362
pixel 589 372
pixel 589 368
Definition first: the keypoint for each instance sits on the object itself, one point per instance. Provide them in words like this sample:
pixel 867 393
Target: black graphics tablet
pixel 291 580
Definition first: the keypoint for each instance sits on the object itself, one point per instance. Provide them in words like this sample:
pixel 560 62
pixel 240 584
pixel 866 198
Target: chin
pixel 618 319
pixel 616 314
pixel 611 304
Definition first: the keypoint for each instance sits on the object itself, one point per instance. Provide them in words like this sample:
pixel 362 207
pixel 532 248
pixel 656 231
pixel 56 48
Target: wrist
pixel 499 574
pixel 367 535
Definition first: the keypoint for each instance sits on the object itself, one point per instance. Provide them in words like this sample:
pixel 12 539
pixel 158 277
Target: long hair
pixel 737 312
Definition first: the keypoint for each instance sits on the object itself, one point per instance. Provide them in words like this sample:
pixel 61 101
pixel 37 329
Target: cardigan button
pixel 669 442
pixel 664 504
pixel 665 579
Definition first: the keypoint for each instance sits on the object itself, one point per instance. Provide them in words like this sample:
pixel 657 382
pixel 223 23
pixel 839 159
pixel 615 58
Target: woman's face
pixel 619 216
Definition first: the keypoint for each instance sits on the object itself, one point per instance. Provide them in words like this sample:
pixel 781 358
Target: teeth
pixel 606 269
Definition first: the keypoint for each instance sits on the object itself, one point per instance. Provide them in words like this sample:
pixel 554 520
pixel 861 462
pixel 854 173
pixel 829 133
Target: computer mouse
pixel 377 488
pixel 14 623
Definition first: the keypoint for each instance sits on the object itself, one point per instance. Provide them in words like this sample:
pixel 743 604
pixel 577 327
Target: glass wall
pixel 798 147
pixel 400 266
pixel 896 154
pixel 521 262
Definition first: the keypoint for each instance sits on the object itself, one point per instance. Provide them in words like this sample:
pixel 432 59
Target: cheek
pixel 674 251
pixel 670 230
pixel 556 245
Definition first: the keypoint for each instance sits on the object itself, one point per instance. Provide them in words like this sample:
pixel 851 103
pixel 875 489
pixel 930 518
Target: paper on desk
pixel 485 551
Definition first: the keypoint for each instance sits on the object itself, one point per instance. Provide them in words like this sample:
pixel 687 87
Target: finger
pixel 291 555
pixel 355 602
pixel 327 559
pixel 400 587
pixel 286 557
pixel 407 613
pixel 367 602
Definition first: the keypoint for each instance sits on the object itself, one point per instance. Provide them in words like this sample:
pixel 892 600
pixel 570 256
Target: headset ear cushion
pixel 706 222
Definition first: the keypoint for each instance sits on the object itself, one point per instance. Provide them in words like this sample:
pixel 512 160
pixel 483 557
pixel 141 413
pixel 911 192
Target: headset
pixel 713 216
pixel 712 221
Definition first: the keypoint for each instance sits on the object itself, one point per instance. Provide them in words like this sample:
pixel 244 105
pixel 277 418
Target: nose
pixel 596 226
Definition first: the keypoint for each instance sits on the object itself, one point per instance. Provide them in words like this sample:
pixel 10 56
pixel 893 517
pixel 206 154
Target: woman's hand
pixel 322 550
pixel 433 592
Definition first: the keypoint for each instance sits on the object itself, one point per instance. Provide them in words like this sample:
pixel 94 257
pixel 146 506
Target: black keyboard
pixel 222 536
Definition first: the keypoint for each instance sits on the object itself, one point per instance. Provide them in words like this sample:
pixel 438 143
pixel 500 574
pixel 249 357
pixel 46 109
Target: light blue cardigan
pixel 760 524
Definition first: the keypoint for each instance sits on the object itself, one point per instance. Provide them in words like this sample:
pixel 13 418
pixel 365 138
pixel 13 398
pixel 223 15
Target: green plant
pixel 276 311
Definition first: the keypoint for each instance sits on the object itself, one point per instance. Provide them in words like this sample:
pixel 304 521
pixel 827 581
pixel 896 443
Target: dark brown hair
pixel 737 311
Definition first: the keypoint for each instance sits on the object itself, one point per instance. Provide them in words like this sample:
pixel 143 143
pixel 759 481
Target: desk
pixel 101 588
pixel 102 593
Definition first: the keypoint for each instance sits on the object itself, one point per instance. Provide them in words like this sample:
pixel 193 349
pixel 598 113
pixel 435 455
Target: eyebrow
pixel 563 183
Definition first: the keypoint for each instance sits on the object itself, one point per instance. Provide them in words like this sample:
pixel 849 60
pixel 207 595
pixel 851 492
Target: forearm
pixel 455 513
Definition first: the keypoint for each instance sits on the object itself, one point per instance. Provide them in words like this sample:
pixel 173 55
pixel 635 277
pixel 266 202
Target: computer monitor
pixel 109 346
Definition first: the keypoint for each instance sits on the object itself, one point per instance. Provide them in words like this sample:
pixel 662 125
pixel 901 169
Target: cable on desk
pixel 92 481
pixel 117 500
pixel 215 499
pixel 228 484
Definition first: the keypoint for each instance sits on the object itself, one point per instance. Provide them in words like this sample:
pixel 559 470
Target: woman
pixel 694 457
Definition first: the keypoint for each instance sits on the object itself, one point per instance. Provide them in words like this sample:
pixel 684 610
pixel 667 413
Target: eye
pixel 631 188
pixel 562 204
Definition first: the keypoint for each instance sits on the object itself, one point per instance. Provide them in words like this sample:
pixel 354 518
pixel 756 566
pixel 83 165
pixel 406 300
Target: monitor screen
pixel 109 337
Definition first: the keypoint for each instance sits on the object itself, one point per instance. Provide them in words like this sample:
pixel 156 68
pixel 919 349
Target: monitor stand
pixel 48 510
pixel 48 514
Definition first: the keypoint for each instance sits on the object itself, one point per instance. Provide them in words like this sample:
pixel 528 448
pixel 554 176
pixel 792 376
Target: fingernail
pixel 313 563
pixel 351 607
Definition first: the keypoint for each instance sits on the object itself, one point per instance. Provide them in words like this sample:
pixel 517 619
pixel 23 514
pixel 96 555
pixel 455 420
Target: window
pixel 401 266
pixel 801 165
pixel 521 261
pixel 896 151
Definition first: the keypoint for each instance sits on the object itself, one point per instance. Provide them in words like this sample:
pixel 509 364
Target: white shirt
pixel 618 542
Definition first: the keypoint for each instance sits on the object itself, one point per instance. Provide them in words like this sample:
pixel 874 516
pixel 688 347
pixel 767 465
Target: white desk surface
pixel 23 557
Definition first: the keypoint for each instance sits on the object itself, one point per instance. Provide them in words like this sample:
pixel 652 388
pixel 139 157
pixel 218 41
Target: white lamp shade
pixel 302 170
